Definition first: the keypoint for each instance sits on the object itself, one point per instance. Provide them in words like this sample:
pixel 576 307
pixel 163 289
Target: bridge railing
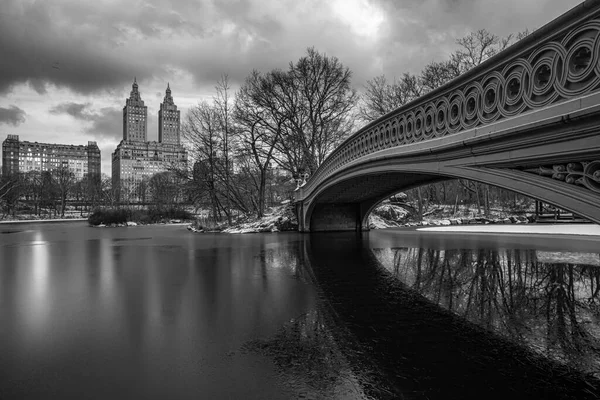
pixel 555 63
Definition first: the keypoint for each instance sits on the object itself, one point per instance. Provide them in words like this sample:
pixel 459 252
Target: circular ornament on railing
pixel 491 94
pixel 455 112
pixel 387 135
pixel 419 124
pixel 402 130
pixel 581 60
pixel 410 127
pixel 546 70
pixel 441 118
pixel 394 132
pixel 472 104
pixel 429 127
pixel 515 84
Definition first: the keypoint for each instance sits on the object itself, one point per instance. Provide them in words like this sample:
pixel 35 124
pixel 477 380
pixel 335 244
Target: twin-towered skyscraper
pixel 135 158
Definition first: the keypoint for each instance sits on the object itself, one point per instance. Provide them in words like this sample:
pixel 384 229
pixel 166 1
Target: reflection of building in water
pixel 546 300
pixel 23 156
pixel 135 159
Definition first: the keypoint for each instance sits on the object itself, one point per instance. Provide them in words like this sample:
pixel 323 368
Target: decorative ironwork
pixel 584 173
pixel 532 74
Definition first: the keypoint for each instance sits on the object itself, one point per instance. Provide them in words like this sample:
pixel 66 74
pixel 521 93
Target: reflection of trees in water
pixel 553 307
pixel 308 358
pixel 284 257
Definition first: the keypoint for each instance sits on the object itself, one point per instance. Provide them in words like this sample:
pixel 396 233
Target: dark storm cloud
pixel 80 45
pixel 96 46
pixel 12 116
pixel 76 110
pixel 106 122
pixel 417 32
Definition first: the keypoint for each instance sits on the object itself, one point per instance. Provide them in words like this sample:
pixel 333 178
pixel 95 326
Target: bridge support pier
pixel 333 217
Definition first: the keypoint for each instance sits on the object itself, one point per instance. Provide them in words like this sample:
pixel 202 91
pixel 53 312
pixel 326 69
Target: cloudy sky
pixel 66 66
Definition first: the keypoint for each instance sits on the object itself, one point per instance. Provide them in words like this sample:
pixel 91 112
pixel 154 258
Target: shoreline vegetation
pixel 282 218
pixel 115 217
pixel 386 215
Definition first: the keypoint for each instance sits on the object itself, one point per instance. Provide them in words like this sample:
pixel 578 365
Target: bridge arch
pixel 347 200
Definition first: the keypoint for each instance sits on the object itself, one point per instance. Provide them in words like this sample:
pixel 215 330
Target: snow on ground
pixel 376 222
pixel 556 229
pixel 29 221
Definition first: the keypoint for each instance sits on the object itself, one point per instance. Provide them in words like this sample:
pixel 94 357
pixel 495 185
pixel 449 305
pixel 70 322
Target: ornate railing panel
pixel 560 61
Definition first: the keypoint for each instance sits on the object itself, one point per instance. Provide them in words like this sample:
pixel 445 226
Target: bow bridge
pixel 527 119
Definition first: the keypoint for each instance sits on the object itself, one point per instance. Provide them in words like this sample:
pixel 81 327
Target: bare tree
pixel 108 192
pixel 64 180
pixel 436 74
pixel 382 97
pixel 163 190
pixel 223 107
pixel 259 131
pixel 201 131
pixel 315 98
pixel 11 187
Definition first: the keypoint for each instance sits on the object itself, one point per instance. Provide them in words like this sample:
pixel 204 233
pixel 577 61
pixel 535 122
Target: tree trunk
pixel 455 205
pixel 478 199
pixel 63 206
pixel 487 201
pixel 262 193
pixel 420 196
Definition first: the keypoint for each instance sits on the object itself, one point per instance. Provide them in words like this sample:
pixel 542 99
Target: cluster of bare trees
pixel 49 192
pixel 279 124
pixel 164 189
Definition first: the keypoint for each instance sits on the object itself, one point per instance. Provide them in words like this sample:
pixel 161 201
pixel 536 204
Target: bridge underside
pixel 344 207
pixel 349 198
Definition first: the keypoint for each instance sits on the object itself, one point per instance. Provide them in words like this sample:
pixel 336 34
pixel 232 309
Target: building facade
pixel 23 156
pixel 135 160
pixel 135 116
pixel 168 120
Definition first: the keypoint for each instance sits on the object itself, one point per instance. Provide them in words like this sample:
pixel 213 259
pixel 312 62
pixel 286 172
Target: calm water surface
pixel 159 312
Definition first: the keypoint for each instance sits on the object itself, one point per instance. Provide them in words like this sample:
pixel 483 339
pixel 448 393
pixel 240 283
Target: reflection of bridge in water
pixel 526 120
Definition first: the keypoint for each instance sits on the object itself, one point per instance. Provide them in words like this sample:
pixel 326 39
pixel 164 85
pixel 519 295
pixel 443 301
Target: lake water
pixel 159 312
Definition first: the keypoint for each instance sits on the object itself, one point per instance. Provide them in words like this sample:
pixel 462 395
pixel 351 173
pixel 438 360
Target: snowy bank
pixel 554 229
pixel 279 219
pixel 35 221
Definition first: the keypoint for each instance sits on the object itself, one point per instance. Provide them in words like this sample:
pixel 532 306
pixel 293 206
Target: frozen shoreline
pixel 31 221
pixel 549 229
